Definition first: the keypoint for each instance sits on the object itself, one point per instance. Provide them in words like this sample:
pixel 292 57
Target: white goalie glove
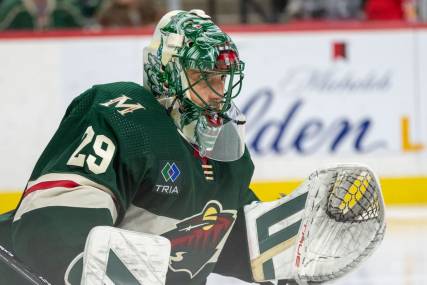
pixel 324 229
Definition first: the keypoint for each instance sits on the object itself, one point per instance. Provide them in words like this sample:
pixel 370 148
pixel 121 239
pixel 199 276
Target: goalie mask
pixel 193 69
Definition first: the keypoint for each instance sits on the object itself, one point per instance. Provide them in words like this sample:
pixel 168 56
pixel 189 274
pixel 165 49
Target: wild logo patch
pixel 168 181
pixel 198 240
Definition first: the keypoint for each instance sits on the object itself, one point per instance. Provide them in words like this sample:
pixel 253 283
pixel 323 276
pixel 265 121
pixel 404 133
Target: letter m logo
pixel 122 106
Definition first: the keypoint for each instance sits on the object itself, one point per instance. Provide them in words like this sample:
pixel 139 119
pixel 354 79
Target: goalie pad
pixel 324 229
pixel 116 256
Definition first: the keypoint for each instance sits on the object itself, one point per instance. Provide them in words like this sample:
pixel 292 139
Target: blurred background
pixel 327 81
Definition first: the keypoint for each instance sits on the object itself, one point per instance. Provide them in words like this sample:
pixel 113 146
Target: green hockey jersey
pixel 118 159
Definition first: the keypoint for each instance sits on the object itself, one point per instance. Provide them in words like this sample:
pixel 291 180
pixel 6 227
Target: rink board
pixel 397 191
pixel 312 98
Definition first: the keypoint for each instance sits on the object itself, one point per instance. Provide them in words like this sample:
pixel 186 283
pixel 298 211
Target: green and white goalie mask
pixel 193 69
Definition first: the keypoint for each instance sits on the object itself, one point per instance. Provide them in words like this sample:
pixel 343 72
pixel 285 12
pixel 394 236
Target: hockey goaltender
pixel 150 185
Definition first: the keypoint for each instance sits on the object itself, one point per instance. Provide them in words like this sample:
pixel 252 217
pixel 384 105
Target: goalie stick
pixel 10 260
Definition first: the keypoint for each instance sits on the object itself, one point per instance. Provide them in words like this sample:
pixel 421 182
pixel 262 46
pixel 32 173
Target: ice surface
pixel 401 258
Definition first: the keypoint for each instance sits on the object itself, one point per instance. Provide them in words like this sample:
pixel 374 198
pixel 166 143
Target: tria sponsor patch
pixel 168 180
pixel 166 189
pixel 170 172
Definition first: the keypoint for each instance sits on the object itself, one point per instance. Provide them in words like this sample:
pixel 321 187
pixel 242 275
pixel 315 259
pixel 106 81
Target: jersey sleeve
pixel 84 178
pixel 90 149
pixel 234 259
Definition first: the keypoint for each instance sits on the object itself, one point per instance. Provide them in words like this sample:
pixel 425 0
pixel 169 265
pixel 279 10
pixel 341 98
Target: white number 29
pixel 103 147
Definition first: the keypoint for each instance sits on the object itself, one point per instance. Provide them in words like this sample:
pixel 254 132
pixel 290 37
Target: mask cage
pixel 232 75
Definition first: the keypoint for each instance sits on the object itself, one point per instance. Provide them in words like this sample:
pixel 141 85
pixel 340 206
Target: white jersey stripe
pixel 142 220
pixel 79 197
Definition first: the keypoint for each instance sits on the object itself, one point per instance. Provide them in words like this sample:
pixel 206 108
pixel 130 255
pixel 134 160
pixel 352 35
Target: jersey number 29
pixel 103 148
